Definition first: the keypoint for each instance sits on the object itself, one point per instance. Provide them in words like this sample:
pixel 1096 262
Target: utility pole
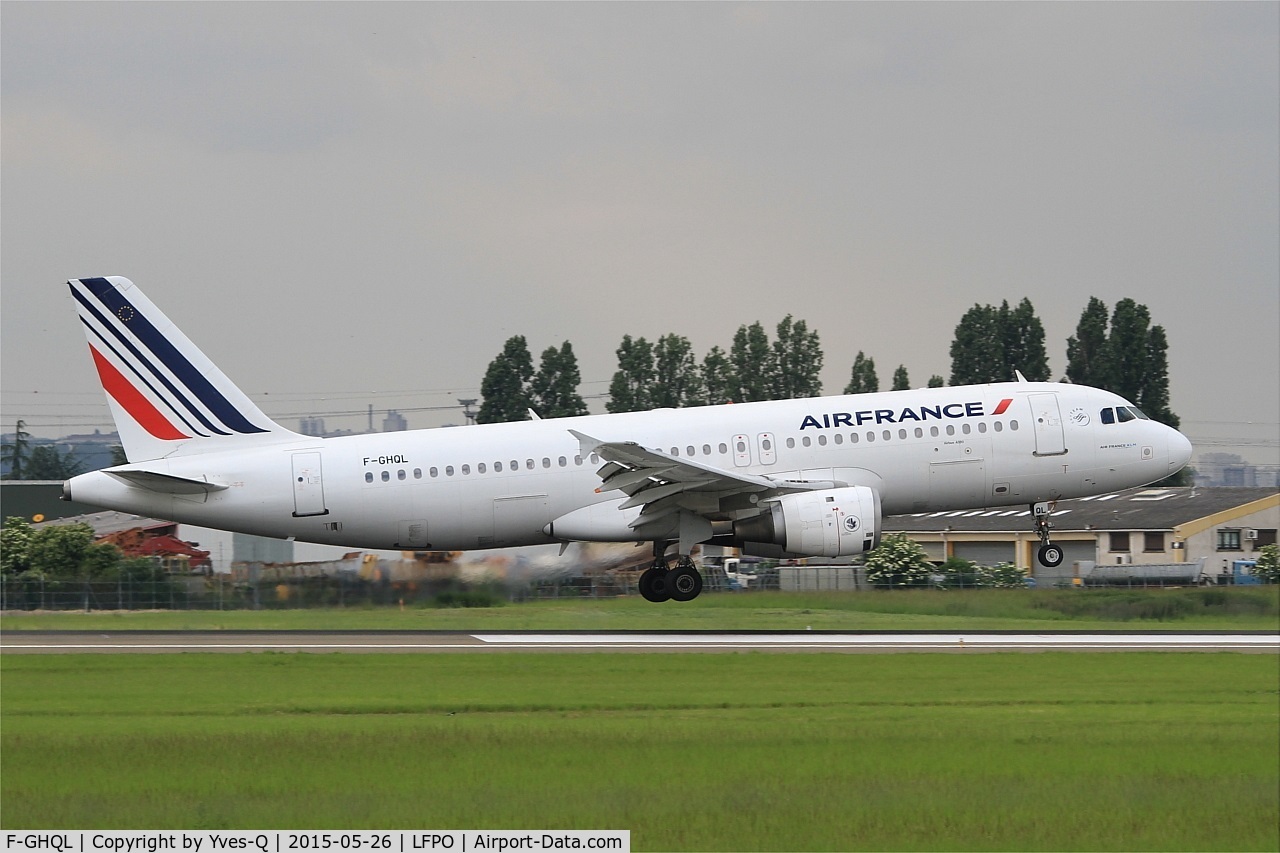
pixel 467 411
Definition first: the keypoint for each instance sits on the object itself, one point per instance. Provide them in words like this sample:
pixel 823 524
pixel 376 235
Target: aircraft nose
pixel 1179 450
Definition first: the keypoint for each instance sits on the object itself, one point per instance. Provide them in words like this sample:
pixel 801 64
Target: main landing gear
pixel 661 583
pixel 1049 555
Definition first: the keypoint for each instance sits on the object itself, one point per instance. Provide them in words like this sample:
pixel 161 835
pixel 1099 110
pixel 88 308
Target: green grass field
pixel 691 752
pixel 1208 609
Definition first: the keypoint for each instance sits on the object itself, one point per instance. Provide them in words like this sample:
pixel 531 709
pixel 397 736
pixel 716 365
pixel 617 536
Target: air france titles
pixel 835 420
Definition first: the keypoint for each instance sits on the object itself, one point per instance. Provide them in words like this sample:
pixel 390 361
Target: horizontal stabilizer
pixel 167 483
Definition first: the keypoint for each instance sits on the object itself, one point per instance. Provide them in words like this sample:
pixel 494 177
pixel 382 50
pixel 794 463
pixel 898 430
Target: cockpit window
pixel 1125 414
pixel 1139 413
pixel 1108 416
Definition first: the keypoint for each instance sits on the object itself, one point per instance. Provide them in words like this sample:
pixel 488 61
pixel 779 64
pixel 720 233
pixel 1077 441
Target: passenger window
pixel 434 472
pixel 400 475
pixel 999 426
pixel 886 435
pixel 791 443
pixel 966 429
pixel 368 476
pixel 1013 425
pixel 466 469
pixel 595 457
pixel 982 427
pixel 919 432
pixel 822 441
pixel 853 438
pixel 675 451
pixel 546 462
pixel 562 462
pixel 933 432
pixel 1108 416
pixel 417 473
pixel 481 468
pixel 839 438
pixel 871 436
pixel 528 463
pixel 497 467
pixel 689 450
pixel 577 460
pixel 515 464
pixel 902 433
pixel 724 448
pixel 386 476
pixel 706 450
pixel 807 441
pixel 448 470
pixel 951 429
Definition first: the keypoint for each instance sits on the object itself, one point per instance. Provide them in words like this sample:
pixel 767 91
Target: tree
pixel 505 386
pixel 936 381
pixel 1154 399
pixel 1087 349
pixel 898 561
pixel 977 352
pixel 1022 334
pixel 632 383
pixel 991 344
pixel 677 380
pixel 900 380
pixel 797 360
pixel 1127 349
pixel 15 454
pixel 754 364
pixel 1267 568
pixel 862 378
pixel 47 462
pixel 1001 576
pixel 718 377
pixel 554 388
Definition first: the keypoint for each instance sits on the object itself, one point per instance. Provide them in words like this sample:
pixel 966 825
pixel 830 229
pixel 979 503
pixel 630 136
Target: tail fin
pixel 166 396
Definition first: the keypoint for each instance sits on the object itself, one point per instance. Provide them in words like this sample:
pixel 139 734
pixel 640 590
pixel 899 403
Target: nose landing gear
pixel 1049 555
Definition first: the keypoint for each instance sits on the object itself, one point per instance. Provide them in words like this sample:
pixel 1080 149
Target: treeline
pixel 1119 351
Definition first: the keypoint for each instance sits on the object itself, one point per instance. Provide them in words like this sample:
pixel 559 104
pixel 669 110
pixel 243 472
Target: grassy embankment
pixel 693 752
pixel 1205 609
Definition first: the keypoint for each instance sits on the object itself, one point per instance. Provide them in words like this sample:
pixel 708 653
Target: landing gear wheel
pixel 684 582
pixel 1050 556
pixel 655 584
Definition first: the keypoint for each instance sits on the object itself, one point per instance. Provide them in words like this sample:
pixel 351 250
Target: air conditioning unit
pixel 1251 535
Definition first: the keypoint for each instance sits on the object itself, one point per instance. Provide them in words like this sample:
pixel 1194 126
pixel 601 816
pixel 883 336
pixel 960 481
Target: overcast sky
pixel 346 204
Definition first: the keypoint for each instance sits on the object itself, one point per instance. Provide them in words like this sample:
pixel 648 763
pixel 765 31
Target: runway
pixel 382 642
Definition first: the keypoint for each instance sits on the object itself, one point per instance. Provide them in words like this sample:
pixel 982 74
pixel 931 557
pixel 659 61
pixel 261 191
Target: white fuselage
pixel 501 485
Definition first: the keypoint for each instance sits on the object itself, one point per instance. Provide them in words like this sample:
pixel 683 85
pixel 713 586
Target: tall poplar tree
pixel 797 361
pixel 719 381
pixel 862 378
pixel 632 383
pixel 677 380
pixel 754 364
pixel 901 382
pixel 977 352
pixel 505 386
pixel 554 388
pixel 1087 349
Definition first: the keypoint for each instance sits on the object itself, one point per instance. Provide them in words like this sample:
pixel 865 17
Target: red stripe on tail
pixel 138 406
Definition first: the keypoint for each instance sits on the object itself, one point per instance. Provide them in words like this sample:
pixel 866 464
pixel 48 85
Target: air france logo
pixel 851 523
pixel 835 420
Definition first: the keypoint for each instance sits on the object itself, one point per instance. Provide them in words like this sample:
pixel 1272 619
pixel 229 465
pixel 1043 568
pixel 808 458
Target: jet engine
pixel 826 523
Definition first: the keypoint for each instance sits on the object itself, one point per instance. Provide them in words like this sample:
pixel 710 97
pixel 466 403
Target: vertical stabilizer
pixel 166 396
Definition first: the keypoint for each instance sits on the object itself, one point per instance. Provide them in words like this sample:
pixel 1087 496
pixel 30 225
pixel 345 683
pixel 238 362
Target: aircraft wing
pixel 680 497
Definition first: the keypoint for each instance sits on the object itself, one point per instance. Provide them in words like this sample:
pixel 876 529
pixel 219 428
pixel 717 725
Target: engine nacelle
pixel 827 523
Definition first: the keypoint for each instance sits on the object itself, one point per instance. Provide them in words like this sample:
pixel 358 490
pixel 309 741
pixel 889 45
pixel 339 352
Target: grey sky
pixel 361 202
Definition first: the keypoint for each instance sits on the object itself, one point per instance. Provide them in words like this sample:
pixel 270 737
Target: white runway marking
pixel 163 642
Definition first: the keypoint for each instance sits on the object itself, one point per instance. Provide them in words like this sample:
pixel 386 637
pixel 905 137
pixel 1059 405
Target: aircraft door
pixel 1047 420
pixel 741 451
pixel 308 485
pixel 767 449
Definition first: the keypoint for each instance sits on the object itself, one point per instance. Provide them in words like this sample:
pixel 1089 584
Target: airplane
pixel 800 477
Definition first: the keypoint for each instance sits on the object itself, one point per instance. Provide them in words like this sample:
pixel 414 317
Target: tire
pixel 684 583
pixel 654 585
pixel 1050 556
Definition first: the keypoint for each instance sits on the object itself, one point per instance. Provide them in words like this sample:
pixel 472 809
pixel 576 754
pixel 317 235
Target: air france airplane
pixel 809 477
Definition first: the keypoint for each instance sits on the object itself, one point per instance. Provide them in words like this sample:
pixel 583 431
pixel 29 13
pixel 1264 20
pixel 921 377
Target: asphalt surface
pixel 170 642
